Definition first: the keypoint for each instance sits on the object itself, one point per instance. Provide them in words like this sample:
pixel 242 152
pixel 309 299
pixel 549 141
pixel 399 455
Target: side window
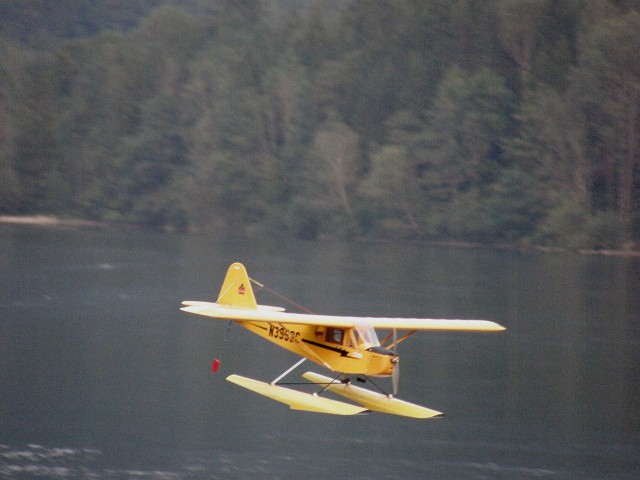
pixel 335 335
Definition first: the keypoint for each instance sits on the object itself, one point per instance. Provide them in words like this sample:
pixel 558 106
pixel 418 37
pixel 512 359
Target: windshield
pixel 367 335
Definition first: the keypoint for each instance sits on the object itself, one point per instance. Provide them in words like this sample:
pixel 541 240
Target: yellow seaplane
pixel 345 345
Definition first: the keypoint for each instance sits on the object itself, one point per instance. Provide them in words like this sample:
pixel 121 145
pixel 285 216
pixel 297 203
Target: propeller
pixel 395 374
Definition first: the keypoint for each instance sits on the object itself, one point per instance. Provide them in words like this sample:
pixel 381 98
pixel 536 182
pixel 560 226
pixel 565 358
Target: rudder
pixel 236 289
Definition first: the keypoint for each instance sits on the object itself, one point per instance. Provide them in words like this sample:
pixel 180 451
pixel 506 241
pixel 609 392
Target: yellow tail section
pixel 236 289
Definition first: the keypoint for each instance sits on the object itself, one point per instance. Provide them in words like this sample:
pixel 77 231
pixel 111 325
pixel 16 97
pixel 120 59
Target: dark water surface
pixel 101 376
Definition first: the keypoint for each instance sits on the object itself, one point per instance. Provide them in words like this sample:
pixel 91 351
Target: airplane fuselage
pixel 338 349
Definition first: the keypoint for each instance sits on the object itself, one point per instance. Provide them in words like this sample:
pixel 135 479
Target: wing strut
pixel 289 370
pixel 395 341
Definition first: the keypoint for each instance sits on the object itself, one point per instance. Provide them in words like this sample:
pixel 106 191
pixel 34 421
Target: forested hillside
pixel 491 121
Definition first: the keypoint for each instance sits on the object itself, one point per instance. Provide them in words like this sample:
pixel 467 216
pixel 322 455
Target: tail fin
pixel 236 289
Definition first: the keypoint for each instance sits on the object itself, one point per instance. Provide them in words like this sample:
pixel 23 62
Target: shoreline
pixel 53 221
pixel 48 221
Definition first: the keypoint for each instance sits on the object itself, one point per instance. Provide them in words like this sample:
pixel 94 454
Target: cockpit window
pixel 335 335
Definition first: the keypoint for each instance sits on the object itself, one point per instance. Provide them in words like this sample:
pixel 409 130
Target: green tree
pixel 514 207
pixel 230 102
pixel 338 164
pixel 395 55
pixel 149 162
pixel 557 43
pixel 394 191
pixel 550 155
pixel 550 146
pixel 520 21
pixel 607 87
pixel 9 185
pixel 37 165
pixel 461 144
pixel 436 175
pixel 475 36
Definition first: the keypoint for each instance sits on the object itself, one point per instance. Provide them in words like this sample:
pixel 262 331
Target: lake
pixel 102 376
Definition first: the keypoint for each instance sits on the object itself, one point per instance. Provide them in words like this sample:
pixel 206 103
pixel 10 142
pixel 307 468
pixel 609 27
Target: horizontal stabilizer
pixel 216 310
pixel 295 399
pixel 373 400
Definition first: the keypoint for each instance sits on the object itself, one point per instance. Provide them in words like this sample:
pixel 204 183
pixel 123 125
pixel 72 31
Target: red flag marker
pixel 215 366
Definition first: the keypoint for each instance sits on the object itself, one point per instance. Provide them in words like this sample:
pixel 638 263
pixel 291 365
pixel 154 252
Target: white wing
pixel 269 314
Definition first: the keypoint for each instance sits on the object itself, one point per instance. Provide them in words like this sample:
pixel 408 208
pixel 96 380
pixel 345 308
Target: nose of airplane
pixel 382 351
pixel 387 360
